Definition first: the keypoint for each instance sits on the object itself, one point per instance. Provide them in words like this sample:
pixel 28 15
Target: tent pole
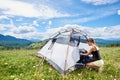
pixel 67 54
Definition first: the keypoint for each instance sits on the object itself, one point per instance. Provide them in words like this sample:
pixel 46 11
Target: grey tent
pixel 62 49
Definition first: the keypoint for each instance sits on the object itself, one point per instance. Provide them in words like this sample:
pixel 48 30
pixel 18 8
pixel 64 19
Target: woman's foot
pixel 100 69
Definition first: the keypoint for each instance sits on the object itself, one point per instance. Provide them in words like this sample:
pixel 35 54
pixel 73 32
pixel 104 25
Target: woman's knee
pixel 89 64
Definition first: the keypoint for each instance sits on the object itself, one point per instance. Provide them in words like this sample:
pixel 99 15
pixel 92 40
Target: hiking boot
pixel 100 69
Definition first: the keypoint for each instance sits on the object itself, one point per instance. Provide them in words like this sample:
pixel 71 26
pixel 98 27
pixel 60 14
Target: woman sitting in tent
pixel 97 62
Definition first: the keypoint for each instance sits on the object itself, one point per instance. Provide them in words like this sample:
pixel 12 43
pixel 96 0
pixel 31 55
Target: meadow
pixel 24 65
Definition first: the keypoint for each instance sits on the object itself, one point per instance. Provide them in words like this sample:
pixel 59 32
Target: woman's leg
pixel 92 65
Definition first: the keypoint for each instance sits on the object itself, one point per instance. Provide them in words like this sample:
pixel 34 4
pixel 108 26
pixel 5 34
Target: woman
pixel 97 62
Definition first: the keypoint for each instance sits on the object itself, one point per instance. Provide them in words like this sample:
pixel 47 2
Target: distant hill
pixel 37 45
pixel 100 42
pixel 107 42
pixel 10 41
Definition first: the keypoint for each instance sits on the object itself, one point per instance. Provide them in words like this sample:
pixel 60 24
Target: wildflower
pixel 16 79
pixel 90 78
pixel 35 74
pixel 34 66
pixel 21 74
pixel 5 63
pixel 78 74
pixel 37 65
pixel 50 69
pixel 12 76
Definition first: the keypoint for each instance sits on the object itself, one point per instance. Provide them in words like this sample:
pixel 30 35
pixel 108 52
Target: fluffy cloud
pixel 3 17
pixel 6 26
pixel 18 8
pixel 23 29
pixel 118 12
pixel 1 27
pixel 35 23
pixel 101 32
pixel 50 22
pixel 24 32
pixel 11 7
pixel 29 36
pixel 100 2
pixel 27 32
pixel 47 12
pixel 105 32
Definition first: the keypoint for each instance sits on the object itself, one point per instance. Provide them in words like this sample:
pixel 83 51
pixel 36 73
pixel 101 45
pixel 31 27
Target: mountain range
pixel 10 41
pixel 107 42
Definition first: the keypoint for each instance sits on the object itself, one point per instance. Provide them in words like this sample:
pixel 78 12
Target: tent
pixel 62 49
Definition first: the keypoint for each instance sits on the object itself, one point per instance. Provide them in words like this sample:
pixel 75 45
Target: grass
pixel 24 65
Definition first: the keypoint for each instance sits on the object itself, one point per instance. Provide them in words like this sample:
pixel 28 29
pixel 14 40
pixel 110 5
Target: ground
pixel 24 65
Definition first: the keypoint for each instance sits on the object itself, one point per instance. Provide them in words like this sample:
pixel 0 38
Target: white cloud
pixel 101 32
pixel 50 22
pixel 27 32
pixel 12 7
pixel 24 32
pixel 7 26
pixel 35 23
pixel 23 29
pixel 105 32
pixel 48 12
pixel 17 8
pixel 29 36
pixel 2 27
pixel 118 12
pixel 100 2
pixel 19 19
pixel 3 17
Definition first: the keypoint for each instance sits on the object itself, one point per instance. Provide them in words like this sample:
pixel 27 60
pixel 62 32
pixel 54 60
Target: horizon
pixel 37 40
pixel 29 19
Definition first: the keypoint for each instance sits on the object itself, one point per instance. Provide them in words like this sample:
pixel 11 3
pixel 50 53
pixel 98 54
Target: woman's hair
pixel 91 40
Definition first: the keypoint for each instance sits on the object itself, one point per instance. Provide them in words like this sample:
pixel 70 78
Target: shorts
pixel 98 63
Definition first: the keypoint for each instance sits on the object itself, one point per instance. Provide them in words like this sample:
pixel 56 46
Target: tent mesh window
pixel 83 39
pixel 62 39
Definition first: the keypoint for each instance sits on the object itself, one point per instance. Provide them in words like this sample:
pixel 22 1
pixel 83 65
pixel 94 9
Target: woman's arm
pixel 88 53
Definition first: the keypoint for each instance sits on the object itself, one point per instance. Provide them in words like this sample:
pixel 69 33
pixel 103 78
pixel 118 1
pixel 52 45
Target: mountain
pixel 107 42
pixel 10 41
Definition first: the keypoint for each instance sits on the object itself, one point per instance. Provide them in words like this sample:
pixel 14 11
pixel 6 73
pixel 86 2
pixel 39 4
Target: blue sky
pixel 38 19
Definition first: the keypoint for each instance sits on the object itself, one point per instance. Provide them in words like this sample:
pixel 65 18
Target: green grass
pixel 24 65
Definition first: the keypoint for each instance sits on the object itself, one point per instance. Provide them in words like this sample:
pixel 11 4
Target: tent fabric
pixel 62 50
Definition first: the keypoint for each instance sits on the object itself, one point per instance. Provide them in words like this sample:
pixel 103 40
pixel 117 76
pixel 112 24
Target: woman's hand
pixel 85 54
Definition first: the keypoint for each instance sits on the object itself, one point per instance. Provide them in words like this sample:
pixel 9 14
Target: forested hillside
pixel 9 41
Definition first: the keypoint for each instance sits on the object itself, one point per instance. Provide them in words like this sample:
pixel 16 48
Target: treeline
pixel 15 43
pixel 11 48
pixel 8 48
pixel 37 45
pixel 113 45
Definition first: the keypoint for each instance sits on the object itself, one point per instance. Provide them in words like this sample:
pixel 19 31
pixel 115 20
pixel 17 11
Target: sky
pixel 38 19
